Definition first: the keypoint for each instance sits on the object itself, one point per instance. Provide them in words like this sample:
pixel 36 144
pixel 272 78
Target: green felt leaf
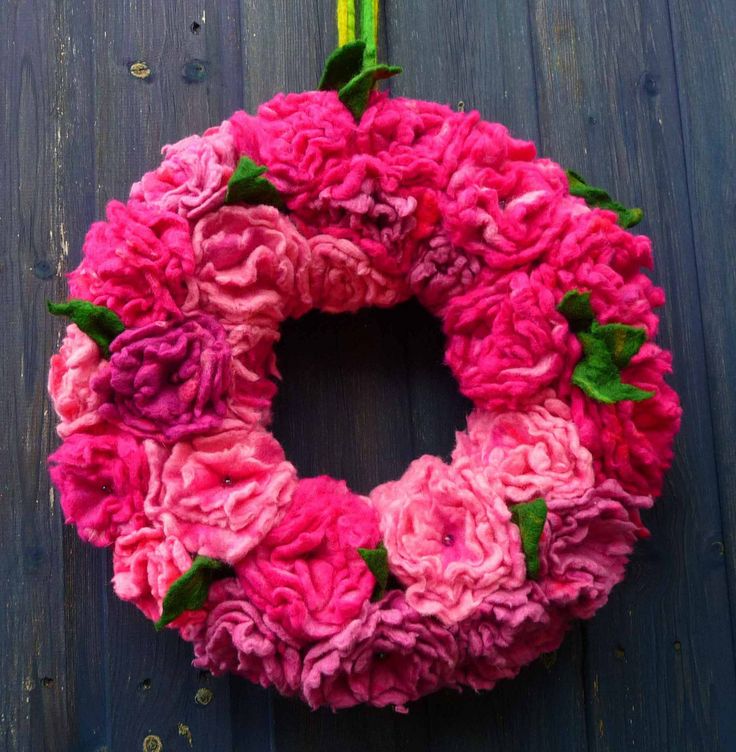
pixel 189 592
pixel 530 518
pixel 575 307
pixel 247 186
pixel 342 65
pixel 354 94
pixel 600 199
pixel 622 341
pixel 598 375
pixel 97 322
pixel 376 560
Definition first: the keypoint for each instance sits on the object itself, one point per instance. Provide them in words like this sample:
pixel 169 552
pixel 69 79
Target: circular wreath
pixel 456 574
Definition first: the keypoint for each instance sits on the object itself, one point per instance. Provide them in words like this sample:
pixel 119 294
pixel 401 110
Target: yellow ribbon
pixel 346 22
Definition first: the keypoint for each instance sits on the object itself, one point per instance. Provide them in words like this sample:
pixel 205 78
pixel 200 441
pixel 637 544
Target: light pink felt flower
pixel 507 350
pixel 527 454
pixel 342 278
pixel 450 538
pixel 102 480
pixel 167 379
pixel 192 179
pixel 306 575
pixel 72 369
pixel 589 546
pixel 221 494
pixel 632 441
pixel 238 638
pixel 145 564
pixel 390 655
pixel 135 263
pixel 251 266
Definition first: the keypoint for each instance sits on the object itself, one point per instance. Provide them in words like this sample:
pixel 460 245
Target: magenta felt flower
pixel 238 637
pixel 167 380
pixel 192 179
pixel 527 454
pixel 307 575
pixel 102 480
pixel 72 371
pixel 135 263
pixel 221 494
pixel 450 538
pixel 389 655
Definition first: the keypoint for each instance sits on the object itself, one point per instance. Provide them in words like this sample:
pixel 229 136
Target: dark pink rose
pixel 103 480
pixel 168 379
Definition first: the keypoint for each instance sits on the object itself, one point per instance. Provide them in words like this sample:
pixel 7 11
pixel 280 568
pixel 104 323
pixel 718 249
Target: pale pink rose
pixel 450 538
pixel 145 565
pixel 221 494
pixel 192 179
pixel 390 655
pixel 343 278
pixel 238 638
pixel 72 369
pixel 591 539
pixel 251 263
pixel 527 454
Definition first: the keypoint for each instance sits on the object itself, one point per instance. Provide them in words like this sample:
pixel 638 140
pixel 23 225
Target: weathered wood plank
pixel 659 658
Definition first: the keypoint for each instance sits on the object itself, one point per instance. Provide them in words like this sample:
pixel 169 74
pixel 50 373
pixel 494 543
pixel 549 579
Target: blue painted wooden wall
pixel 637 95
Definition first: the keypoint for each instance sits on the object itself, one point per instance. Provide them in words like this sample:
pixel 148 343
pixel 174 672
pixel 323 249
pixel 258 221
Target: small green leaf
pixel 354 94
pixel 622 341
pixel 247 186
pixel 189 592
pixel 342 65
pixel 530 518
pixel 376 560
pixel 575 307
pixel 598 375
pixel 600 199
pixel 97 322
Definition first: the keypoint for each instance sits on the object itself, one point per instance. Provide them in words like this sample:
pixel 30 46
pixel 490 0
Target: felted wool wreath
pixel 456 574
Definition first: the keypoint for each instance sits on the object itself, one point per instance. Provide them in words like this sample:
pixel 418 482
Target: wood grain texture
pixel 638 96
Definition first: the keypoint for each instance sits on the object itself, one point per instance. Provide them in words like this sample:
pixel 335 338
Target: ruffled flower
pixel 527 454
pixel 221 494
pixel 238 637
pixel 306 575
pixel 135 263
pixel 168 380
pixel 450 538
pixel 72 370
pixel 251 266
pixel 390 655
pixel 102 480
pixel 192 179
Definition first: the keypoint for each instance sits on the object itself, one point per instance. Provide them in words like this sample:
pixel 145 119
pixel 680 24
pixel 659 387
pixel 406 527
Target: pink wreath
pixel 456 574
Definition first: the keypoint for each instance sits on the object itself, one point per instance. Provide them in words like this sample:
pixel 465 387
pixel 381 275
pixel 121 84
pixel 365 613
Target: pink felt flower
pixel 527 454
pixel 306 575
pixel 507 349
pixel 509 630
pixel 251 266
pixel 390 655
pixel 192 179
pixel 450 538
pixel 168 380
pixel 632 441
pixel 221 494
pixel 590 543
pixel 237 637
pixel 135 263
pixel 102 480
pixel 145 564
pixel 72 370
pixel 342 278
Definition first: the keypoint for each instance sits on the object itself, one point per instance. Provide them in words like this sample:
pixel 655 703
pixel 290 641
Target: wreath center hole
pixel 364 394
